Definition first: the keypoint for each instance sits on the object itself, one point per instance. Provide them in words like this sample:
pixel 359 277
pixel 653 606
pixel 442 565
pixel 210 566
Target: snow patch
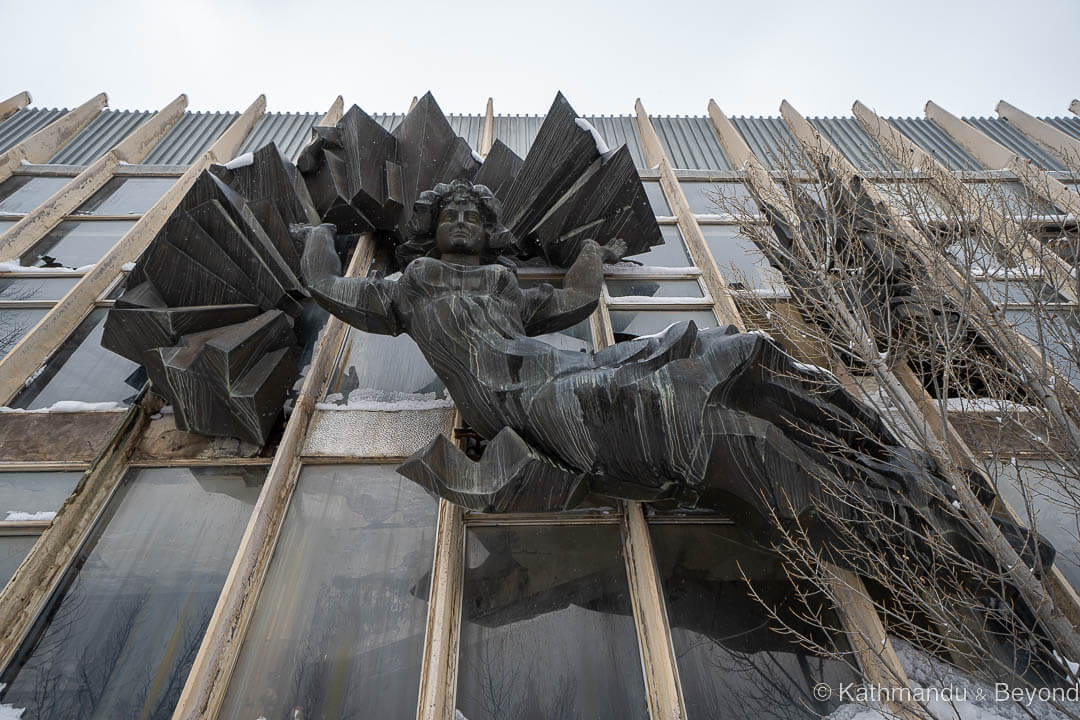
pixel 477 157
pixel 14 267
pixel 601 146
pixel 40 516
pixel 128 266
pixel 62 406
pixel 241 161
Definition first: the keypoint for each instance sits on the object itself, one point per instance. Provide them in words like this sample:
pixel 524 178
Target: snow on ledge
pixel 70 406
pixel 241 161
pixel 14 267
pixel 601 146
pixel 20 516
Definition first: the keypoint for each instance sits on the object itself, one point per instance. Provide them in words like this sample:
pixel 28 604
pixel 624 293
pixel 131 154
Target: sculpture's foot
pixel 511 477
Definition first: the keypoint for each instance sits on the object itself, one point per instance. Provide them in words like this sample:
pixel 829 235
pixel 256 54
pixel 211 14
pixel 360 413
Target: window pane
pixel 124 631
pixel 21 194
pixel 1056 331
pixel 715 198
pixel 126 196
pixel 547 629
pixel 656 197
pixel 728 655
pixel 34 495
pixel 1019 292
pixel 1052 513
pixel 654 288
pixel 671 254
pixel 628 324
pixel 1011 198
pixel 6 224
pixel 382 369
pixel 13 550
pixel 741 262
pixel 35 289
pixel 338 631
pixel 82 370
pixel 75 243
pixel 15 323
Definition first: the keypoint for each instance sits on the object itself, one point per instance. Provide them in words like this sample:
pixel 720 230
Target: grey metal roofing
pixel 518 131
pixel 24 123
pixel 931 138
pixel 469 127
pixel 1004 133
pixel 848 134
pixel 189 138
pixel 690 142
pixel 770 140
pixel 290 131
pixel 1067 125
pixel 388 120
pixel 619 130
pixel 107 129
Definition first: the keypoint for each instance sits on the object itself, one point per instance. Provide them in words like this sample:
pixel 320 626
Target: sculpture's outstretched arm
pixel 548 309
pixel 363 303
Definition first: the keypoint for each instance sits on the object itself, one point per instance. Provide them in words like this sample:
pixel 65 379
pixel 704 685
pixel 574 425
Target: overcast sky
pixel 673 54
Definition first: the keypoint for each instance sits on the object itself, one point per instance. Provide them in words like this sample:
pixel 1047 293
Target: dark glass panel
pixel 23 193
pixel 76 243
pixel 717 198
pixel 656 197
pixel 634 287
pixel 83 371
pixel 547 629
pixel 118 639
pixel 671 254
pixel 126 196
pixel 15 323
pixel 13 550
pixel 728 654
pixel 37 289
pixel 626 324
pixel 339 627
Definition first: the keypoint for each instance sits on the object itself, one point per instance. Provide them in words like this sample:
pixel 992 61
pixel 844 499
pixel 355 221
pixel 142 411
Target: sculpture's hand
pixel 613 252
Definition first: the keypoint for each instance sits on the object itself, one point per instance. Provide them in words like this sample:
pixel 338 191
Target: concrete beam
pixel 1063 146
pixel 42 145
pixel 13 104
pixel 1074 107
pixel 333 115
pixel 132 149
pixel 487 134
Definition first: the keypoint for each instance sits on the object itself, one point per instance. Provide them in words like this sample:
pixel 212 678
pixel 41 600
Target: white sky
pixel 673 54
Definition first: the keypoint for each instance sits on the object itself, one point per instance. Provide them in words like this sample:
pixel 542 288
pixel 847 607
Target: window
pixel 547 625
pixel 741 262
pixel 656 198
pixel 671 254
pixel 15 323
pixel 28 503
pixel 657 288
pixel 627 324
pixel 124 628
pixel 33 288
pixel 339 628
pixel 718 198
pixel 126 196
pixel 23 193
pixel 76 243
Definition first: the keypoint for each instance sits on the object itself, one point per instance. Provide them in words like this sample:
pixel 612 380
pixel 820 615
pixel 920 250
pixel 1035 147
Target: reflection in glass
pixel 741 262
pixel 36 289
pixel 653 288
pixel 126 196
pixel 627 324
pixel 6 224
pixel 13 550
pixel 578 337
pixel 671 254
pixel 382 369
pixel 27 494
pixel 76 243
pixel 84 371
pixel 547 629
pixel 657 200
pixel 1019 292
pixel 338 631
pixel 23 193
pixel 1011 198
pixel 728 655
pixel 1050 506
pixel 15 323
pixel 119 637
pixel 716 198
pixel 1054 330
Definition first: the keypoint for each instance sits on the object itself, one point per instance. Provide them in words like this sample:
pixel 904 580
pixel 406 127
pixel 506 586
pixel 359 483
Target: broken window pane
pixel 126 196
pixel 547 629
pixel 23 193
pixel 653 288
pixel 83 371
pixel 338 631
pixel 671 254
pixel 376 369
pixel 126 626
pixel 76 243
pixel 728 654
pixel 34 495
pixel 627 324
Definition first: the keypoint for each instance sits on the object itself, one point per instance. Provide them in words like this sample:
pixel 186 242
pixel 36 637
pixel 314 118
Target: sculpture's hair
pixel 420 231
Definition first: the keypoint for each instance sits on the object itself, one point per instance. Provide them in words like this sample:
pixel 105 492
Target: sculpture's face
pixel 461 229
